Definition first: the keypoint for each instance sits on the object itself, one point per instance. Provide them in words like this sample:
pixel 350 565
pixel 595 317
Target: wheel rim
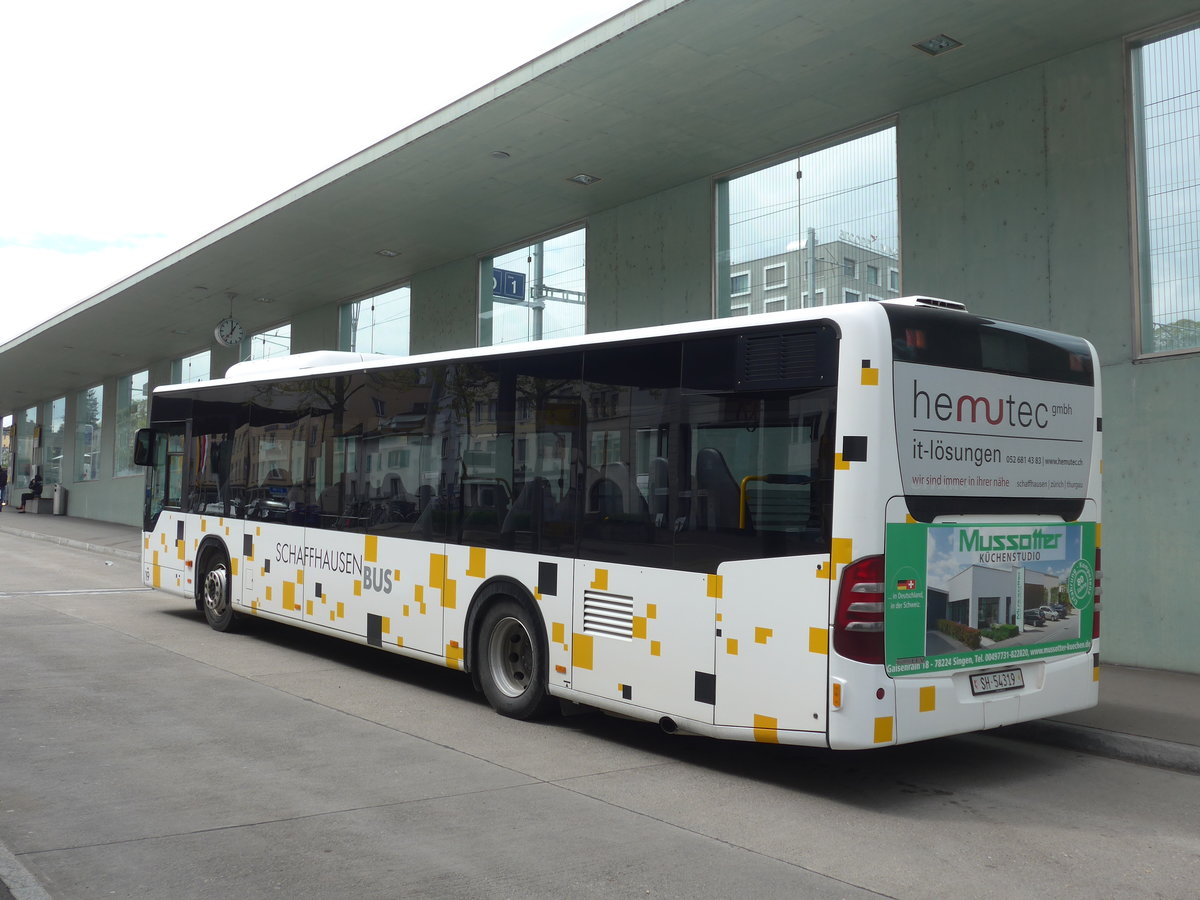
pixel 510 657
pixel 216 594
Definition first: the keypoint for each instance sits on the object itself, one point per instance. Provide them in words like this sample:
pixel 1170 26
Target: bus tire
pixel 215 593
pixel 512 662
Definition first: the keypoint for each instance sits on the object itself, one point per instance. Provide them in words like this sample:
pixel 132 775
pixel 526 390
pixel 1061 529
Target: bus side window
pixel 164 473
pixel 629 401
pixel 757 481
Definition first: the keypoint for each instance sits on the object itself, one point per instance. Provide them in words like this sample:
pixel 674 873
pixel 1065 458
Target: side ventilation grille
pixel 608 614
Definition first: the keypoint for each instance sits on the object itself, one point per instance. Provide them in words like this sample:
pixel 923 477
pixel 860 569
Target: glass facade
pixel 191 368
pixel 818 225
pixel 377 324
pixel 534 292
pixel 268 344
pixel 1166 83
pixel 89 406
pixel 133 403
pixel 54 439
pixel 24 459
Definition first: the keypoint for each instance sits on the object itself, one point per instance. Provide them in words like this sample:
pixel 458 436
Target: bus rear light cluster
pixel 858 619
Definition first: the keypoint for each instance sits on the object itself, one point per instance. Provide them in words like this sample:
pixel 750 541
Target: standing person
pixel 35 490
pixel 3 485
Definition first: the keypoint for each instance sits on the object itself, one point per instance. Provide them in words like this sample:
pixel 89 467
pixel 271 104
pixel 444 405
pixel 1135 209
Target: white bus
pixel 833 527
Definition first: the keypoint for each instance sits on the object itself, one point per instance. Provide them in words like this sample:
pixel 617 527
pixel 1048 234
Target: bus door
pixel 760 485
pixel 772 645
pixel 161 450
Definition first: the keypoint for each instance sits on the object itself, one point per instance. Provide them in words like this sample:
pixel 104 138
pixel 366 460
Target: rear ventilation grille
pixel 608 614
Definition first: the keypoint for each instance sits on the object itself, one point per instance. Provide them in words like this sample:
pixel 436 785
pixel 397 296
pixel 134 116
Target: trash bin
pixel 60 500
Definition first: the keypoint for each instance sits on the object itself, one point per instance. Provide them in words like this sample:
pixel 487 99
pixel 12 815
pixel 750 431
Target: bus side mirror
pixel 143 447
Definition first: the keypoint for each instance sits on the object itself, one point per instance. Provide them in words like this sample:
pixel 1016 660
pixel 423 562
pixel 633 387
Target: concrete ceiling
pixel 663 94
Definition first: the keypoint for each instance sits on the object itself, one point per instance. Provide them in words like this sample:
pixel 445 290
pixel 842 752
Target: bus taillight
pixel 1096 600
pixel 858 620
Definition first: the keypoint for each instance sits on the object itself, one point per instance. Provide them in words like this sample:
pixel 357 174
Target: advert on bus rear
pixel 968 594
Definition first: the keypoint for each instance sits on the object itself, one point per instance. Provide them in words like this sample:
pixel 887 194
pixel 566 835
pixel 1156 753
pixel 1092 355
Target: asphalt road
pixel 144 755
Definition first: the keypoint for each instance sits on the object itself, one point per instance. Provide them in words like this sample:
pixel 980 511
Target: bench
pixel 42 506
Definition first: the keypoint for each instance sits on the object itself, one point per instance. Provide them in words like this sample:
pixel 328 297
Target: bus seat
pixel 660 490
pixel 721 494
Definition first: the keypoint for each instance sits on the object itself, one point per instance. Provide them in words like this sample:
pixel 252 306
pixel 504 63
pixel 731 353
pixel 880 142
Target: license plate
pixel 991 682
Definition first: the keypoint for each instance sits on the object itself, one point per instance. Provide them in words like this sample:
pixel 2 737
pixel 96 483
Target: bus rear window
pixel 991 418
pixel 937 337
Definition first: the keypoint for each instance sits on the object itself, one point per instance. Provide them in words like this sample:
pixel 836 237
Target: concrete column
pixel 316 329
pixel 650 262
pixel 445 307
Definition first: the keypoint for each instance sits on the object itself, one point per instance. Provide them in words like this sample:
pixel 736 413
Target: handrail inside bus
pixel 743 495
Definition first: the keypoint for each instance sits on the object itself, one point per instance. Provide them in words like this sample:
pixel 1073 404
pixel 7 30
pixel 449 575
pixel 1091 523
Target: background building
pixel 689 158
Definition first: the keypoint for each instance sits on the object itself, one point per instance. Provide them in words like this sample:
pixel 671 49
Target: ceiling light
pixel 584 179
pixel 935 45
pixel 388 253
pixel 499 154
pixel 181 331
pixel 263 300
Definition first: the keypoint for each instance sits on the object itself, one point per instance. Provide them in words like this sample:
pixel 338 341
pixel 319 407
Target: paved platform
pixel 1148 716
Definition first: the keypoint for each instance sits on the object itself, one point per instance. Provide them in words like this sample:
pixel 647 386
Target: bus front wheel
pixel 215 594
pixel 512 662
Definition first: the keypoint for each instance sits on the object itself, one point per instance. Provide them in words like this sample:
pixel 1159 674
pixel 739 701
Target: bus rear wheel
pixel 512 662
pixel 215 594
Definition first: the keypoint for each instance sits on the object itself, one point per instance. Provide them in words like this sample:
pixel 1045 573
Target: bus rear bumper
pixel 929 707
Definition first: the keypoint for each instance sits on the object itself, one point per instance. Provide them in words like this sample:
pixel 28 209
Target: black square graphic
pixel 854 448
pixel 548 579
pixel 706 688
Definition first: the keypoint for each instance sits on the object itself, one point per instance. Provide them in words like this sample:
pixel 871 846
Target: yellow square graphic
pixel 818 640
pixel 927 698
pixel 581 654
pixel 477 563
pixel 883 730
pixel 766 729
pixel 437 570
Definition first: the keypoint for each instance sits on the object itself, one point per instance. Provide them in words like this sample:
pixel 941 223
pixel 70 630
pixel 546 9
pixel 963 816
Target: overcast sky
pixel 132 128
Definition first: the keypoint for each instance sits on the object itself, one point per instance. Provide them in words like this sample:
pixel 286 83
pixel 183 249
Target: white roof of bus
pixel 332 362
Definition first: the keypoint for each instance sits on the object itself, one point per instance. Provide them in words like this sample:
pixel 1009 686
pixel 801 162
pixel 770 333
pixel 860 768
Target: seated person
pixel 35 490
